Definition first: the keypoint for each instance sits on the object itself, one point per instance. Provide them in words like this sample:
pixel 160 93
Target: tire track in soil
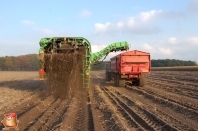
pixel 177 120
pixel 37 118
pixel 184 86
pixel 116 111
pixel 110 116
pixel 78 125
pixel 81 115
pixel 18 92
pixel 174 105
pixel 90 115
pixel 96 114
pixel 145 119
pixel 69 117
pixel 113 118
pixel 176 88
pixel 40 120
pixel 28 117
pixel 188 83
pixel 177 77
pixel 22 109
pixel 140 114
pixel 56 118
pixel 125 114
pixel 188 102
pixel 140 104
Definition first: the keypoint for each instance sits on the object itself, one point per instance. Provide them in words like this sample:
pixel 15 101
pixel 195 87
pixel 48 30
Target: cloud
pixel 173 40
pixel 18 47
pixel 46 31
pixel 142 23
pixel 102 28
pixel 27 22
pixel 128 26
pixel 149 15
pixel 165 51
pixel 3 54
pixel 192 40
pixel 85 13
pixel 120 25
pixel 97 48
pixel 13 42
pixel 148 47
pixel 193 6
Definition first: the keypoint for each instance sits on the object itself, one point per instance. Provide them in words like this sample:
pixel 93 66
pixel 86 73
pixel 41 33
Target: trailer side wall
pixel 132 63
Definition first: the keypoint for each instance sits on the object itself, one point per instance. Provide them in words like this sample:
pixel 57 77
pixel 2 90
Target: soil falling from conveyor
pixel 64 73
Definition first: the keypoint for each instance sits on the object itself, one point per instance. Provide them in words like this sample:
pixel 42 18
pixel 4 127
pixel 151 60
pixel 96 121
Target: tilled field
pixel 169 102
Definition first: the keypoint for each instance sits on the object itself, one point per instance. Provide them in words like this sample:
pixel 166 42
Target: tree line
pixel 30 62
pixel 171 62
pixel 19 63
pixel 154 63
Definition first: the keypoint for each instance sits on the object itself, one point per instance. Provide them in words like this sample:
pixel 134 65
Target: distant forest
pixel 154 63
pixel 171 62
pixel 30 63
pixel 19 63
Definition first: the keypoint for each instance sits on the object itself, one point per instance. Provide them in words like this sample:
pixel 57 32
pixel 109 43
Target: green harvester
pixel 68 44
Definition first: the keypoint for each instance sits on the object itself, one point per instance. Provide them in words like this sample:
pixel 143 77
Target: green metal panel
pixel 44 42
pixel 110 48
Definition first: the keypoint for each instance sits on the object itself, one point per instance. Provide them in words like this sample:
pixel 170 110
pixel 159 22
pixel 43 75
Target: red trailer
pixel 130 66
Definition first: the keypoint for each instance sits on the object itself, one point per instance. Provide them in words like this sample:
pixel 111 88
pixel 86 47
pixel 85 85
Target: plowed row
pixel 168 102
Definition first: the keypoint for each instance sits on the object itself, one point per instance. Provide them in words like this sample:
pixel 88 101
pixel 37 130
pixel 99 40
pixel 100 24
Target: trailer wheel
pixel 121 83
pixel 115 80
pixel 108 76
pixel 142 81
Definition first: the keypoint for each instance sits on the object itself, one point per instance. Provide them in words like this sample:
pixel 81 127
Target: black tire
pixel 108 76
pixel 118 82
pixel 142 81
pixel 121 83
pixel 115 80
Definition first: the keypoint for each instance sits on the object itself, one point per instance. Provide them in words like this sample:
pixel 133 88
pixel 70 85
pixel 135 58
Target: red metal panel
pixel 131 62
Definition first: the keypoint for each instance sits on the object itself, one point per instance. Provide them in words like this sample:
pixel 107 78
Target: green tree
pixel 8 63
pixel 2 66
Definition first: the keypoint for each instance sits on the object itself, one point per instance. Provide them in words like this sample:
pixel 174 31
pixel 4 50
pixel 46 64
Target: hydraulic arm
pixel 118 46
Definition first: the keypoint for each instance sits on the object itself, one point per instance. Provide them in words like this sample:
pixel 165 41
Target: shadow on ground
pixel 24 85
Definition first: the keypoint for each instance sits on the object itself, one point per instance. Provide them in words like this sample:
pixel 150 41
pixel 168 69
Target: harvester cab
pixel 50 46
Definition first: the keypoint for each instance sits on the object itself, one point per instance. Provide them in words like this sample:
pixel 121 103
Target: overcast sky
pixel 165 28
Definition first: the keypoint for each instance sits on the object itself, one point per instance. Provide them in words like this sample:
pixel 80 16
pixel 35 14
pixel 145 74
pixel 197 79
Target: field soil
pixel 168 102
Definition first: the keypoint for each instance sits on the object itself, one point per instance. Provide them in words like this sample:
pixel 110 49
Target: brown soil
pixel 157 106
pixel 64 73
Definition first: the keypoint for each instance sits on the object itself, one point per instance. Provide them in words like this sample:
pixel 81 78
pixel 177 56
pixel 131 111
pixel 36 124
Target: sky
pixel 167 29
